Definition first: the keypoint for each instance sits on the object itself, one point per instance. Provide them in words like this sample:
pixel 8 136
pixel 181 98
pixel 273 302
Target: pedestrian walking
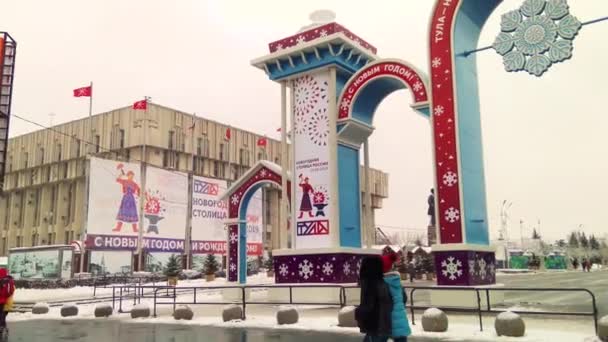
pixel 374 314
pixel 412 270
pixel 400 327
pixel 7 289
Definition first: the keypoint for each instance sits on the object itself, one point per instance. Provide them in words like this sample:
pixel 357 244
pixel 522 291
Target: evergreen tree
pixel 428 264
pixel 573 241
pixel 561 243
pixel 269 264
pixel 211 264
pixel 584 242
pixel 593 243
pixel 173 266
pixel 535 235
pixel 604 245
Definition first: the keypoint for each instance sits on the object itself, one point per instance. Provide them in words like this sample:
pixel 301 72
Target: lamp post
pixel 504 220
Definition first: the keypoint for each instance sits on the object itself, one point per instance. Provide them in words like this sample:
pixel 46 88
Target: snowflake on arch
pixel 452 215
pixel 283 270
pixel 263 173
pixel 345 104
pixel 306 269
pixel 233 238
pixel 328 268
pixel 417 86
pixel 235 199
pixel 439 110
pixel 537 35
pixel 451 268
pixel 450 178
pixel 232 267
pixel 436 62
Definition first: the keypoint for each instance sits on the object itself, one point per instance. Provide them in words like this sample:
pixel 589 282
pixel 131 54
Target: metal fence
pixel 169 295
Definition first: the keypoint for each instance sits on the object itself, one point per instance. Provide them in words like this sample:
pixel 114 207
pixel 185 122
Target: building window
pixel 64 167
pixel 121 137
pixel 50 239
pixel 34 239
pixel 25 158
pixel 19 241
pixel 66 239
pixel 53 206
pixel 199 146
pixel 41 156
pixel 97 143
pixel 37 207
pixel 71 204
pixel 221 156
pixel 216 169
pixel 244 157
pixel 10 163
pixel 58 147
pixel 205 146
pixel 171 143
pixel 4 246
pixel 7 211
pixel 22 209
pixel 260 155
pixel 183 142
pixel 277 161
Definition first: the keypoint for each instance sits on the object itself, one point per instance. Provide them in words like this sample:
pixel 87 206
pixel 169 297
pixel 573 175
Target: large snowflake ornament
pixel 452 215
pixel 417 86
pixel 451 268
pixel 436 62
pixel 328 268
pixel 306 269
pixel 537 35
pixel 318 127
pixel 283 270
pixel 235 199
pixel 439 110
pixel 232 267
pixel 450 178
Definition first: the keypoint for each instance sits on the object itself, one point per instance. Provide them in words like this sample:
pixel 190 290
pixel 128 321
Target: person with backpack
pixel 400 327
pixel 373 315
pixel 7 289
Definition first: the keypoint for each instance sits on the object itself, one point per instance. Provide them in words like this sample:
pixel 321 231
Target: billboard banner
pixel 113 205
pixel 208 218
pixel 165 210
pixel 312 157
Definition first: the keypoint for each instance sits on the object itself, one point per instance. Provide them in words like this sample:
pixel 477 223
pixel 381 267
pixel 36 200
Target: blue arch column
pixel 242 232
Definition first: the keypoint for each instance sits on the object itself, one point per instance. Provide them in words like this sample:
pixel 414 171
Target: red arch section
pixel 411 77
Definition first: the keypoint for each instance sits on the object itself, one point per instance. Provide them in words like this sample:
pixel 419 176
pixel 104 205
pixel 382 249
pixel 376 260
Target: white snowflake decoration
pixel 283 270
pixel 491 270
pixel 279 47
pixel 233 238
pixel 417 86
pixel 482 268
pixel 306 269
pixel 323 33
pixel 452 215
pixel 235 199
pixel 358 267
pixel 300 40
pixel 472 269
pixel 439 110
pixel 346 268
pixel 436 63
pixel 232 267
pixel 328 268
pixel 451 269
pixel 450 178
pixel 345 104
pixel 263 173
pixel 537 35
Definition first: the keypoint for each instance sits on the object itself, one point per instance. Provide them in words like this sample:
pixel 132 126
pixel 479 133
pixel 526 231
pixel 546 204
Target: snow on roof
pixel 23 249
pixel 395 248
pixel 425 249
pixel 262 163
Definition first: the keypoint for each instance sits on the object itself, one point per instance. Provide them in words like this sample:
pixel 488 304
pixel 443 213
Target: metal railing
pixel 137 292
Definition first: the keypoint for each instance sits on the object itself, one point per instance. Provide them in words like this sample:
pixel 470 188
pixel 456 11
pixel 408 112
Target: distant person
pixel 411 268
pixel 7 289
pixel 431 210
pixel 584 265
pixel 373 315
pixel 400 327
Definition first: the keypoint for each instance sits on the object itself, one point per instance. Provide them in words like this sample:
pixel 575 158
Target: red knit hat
pixel 388 261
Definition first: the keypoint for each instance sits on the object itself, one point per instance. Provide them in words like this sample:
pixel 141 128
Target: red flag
pixel 279 129
pixel 227 136
pixel 143 105
pixel 83 92
pixel 262 142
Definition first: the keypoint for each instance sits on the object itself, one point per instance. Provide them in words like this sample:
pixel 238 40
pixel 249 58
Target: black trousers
pixel 2 317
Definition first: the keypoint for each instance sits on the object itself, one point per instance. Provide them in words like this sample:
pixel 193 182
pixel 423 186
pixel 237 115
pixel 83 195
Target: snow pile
pixel 40 308
pixel 141 310
pixel 509 324
pixel 434 320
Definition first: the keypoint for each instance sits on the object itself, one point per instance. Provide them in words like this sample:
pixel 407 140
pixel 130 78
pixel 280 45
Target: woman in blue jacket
pixel 399 322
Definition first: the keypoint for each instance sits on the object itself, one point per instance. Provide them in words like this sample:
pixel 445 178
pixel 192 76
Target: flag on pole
pixel 228 134
pixel 262 142
pixel 140 105
pixel 83 91
pixel 279 129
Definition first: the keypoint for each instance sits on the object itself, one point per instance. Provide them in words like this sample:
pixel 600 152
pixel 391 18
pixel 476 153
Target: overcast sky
pixel 544 139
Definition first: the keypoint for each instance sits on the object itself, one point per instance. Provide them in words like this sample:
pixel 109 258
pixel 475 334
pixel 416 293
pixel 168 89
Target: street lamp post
pixel 504 221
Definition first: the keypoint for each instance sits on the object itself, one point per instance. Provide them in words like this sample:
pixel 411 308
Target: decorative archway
pixel 238 195
pixel 360 97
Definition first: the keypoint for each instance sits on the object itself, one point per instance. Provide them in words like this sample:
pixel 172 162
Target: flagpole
pixel 229 162
pixel 142 190
pixel 91 101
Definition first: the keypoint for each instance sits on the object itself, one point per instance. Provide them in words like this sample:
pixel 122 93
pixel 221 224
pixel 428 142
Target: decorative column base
pixel 319 266
pixel 464 265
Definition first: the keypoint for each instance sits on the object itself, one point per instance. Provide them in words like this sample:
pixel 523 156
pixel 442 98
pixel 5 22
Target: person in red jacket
pixel 7 288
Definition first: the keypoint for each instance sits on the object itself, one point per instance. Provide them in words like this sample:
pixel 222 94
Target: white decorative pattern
pixel 300 40
pixel 346 268
pixel 306 269
pixel 436 63
pixel 439 110
pixel 472 267
pixel 345 104
pixel 263 173
pixel 328 269
pixel 283 270
pixel 235 199
pixel 417 86
pixel 232 267
pixel 537 35
pixel 451 268
pixel 452 215
pixel 233 238
pixel 450 178
pixel 482 268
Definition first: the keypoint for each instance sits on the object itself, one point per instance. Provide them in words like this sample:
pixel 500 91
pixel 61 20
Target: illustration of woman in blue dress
pixel 127 213
pixel 305 204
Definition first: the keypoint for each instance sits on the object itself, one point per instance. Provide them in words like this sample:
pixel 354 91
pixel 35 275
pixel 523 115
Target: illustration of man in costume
pixel 127 213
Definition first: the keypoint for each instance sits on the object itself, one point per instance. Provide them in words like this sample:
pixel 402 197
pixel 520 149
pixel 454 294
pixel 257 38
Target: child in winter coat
pixel 374 314
pixel 400 327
